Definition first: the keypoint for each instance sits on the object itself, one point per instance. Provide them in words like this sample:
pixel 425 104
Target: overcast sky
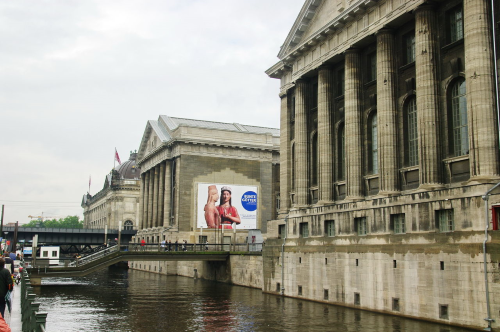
pixel 79 78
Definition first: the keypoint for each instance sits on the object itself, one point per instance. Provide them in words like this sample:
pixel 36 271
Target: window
pixel 409 47
pixel 292 109
pixel 304 229
pixel 399 223
pixel 325 294
pixel 281 231
pixel 202 239
pixel 278 287
pixel 340 82
pixel 443 311
pixel 314 160
pixel 330 228
pixel 373 143
pixel 495 217
pixel 45 254
pixel 460 137
pixel 445 220
pixel 357 299
pixel 54 253
pixel 371 67
pixel 455 24
pixel 412 131
pixel 128 225
pixel 299 290
pixel 341 152
pixel 395 304
pixel 360 224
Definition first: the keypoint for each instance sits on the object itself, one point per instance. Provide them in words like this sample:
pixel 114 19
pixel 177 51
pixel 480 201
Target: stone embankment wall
pixel 240 269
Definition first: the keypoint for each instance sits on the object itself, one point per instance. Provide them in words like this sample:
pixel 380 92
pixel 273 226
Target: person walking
pixel 206 246
pixel 162 245
pixel 6 284
pixel 143 243
pixel 169 245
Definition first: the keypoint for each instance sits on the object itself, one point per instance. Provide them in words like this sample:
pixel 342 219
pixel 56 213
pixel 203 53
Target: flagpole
pixel 114 159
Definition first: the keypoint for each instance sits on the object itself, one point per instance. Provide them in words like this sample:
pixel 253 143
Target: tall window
pixel 341 152
pixel 399 223
pixel 409 47
pixel 455 24
pixel 459 119
pixel 412 131
pixel 304 229
pixel 445 220
pixel 372 67
pixel 361 225
pixel 373 143
pixel 314 160
pixel 330 228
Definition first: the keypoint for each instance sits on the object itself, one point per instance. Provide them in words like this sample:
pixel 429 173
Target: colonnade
pixel 156 200
pixel 481 113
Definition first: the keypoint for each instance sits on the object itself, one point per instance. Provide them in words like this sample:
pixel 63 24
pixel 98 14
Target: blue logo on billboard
pixel 249 201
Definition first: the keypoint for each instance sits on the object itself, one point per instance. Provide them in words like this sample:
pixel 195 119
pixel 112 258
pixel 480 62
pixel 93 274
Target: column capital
pixel 385 31
pixel 352 50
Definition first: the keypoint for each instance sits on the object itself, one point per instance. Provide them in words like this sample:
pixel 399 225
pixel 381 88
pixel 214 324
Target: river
pixel 117 299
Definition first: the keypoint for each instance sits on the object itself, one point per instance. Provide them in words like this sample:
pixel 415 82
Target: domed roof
pixel 128 169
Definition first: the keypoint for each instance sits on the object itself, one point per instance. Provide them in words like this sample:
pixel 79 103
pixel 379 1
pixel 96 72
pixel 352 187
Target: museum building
pixel 188 166
pixel 118 200
pixel 389 160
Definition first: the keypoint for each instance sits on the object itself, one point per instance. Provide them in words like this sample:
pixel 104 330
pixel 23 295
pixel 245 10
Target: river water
pixel 117 299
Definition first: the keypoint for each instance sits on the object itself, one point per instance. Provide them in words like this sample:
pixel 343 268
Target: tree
pixel 68 222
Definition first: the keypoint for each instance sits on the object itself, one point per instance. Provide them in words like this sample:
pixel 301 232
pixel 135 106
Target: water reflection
pixel 121 300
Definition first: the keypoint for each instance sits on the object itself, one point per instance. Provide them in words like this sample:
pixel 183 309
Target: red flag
pixel 117 157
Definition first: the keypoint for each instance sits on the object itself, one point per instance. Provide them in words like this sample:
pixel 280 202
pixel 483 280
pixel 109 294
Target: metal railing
pixel 32 319
pixel 79 261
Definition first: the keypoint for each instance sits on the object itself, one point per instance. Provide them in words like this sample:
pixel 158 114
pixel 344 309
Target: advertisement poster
pixel 226 205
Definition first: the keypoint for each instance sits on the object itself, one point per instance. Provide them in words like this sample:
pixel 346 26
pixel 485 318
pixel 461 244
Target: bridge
pixel 71 240
pixel 109 256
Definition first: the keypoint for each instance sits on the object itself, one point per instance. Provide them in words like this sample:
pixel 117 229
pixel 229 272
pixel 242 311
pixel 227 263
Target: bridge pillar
pixel 36 281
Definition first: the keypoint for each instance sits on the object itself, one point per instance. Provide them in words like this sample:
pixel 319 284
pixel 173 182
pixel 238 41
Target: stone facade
pixel 177 155
pixel 389 143
pixel 117 201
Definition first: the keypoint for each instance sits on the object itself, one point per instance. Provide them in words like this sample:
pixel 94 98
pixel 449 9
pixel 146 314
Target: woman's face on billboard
pixel 226 196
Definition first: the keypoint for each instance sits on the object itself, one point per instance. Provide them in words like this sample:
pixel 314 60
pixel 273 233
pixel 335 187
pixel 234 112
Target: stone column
pixel 155 195
pixel 145 216
pixel 480 85
pixel 161 194
pixel 426 63
pixel 300 144
pixel 167 193
pixel 325 135
pixel 353 99
pixel 150 197
pixel 387 113
pixel 141 203
pixel 285 156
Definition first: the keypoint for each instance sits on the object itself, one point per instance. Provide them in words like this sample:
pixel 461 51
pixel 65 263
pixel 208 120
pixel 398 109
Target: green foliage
pixel 68 222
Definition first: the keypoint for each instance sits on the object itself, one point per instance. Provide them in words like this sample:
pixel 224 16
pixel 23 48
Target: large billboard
pixel 226 205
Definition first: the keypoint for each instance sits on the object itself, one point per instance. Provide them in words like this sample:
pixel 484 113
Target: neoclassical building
pixel 118 200
pixel 389 150
pixel 186 165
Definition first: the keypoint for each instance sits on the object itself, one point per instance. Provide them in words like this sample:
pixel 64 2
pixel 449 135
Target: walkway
pixel 14 317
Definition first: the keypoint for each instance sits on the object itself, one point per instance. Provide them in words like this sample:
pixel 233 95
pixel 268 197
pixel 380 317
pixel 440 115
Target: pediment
pixel 317 20
pixel 154 136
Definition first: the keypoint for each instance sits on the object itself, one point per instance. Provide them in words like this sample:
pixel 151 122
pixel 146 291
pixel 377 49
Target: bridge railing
pixel 93 257
pixel 193 247
pixel 32 319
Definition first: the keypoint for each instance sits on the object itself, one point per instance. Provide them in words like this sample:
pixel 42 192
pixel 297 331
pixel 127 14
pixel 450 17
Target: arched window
pixel 341 152
pixel 128 225
pixel 314 159
pixel 411 134
pixel 373 143
pixel 459 131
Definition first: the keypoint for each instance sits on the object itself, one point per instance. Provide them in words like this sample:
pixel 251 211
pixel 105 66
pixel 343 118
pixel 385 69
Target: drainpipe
pixel 283 258
pixel 486 219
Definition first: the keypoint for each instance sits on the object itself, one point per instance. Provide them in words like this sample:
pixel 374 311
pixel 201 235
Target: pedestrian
pixel 169 245
pixel 176 245
pixel 206 246
pixel 9 263
pixel 163 245
pixel 143 244
pixel 6 284
pixel 184 242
